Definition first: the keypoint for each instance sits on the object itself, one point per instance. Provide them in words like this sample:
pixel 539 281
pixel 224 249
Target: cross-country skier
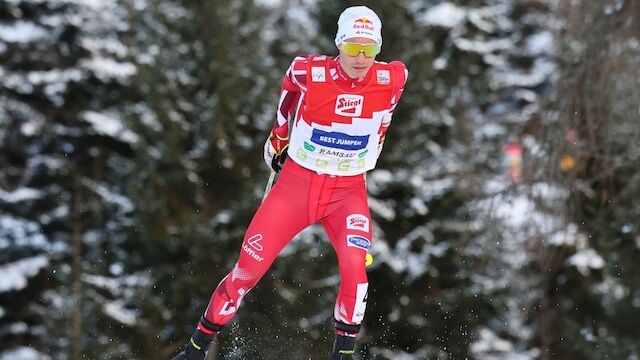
pixel 341 108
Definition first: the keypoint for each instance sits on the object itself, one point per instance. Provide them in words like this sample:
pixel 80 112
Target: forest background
pixel 505 204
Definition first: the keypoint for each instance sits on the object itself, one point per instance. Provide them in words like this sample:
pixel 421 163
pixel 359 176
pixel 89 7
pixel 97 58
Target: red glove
pixel 275 149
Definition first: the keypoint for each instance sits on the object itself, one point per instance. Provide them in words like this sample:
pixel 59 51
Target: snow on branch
pixel 21 32
pixel 15 276
pixel 109 125
pixel 20 232
pixel 23 353
pixel 586 260
pixel 446 15
pixel 110 197
pixel 20 195
pixel 122 289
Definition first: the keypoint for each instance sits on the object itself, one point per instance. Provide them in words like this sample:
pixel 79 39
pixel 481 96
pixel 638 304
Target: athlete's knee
pixel 230 291
pixel 353 263
pixel 244 277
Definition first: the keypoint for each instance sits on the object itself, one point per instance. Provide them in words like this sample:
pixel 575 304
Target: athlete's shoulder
pixel 297 72
pixel 318 58
pixel 299 61
pixel 400 70
pixel 397 64
pixel 305 59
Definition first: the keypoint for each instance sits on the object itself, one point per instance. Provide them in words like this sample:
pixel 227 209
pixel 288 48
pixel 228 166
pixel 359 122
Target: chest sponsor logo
pixel 318 74
pixel 337 153
pixel 338 140
pixel 358 241
pixel 309 146
pixel 358 222
pixel 349 105
pixel 384 77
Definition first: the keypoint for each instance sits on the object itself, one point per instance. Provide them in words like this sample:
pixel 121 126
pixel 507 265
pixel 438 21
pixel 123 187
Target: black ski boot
pixel 343 347
pixel 345 341
pixel 196 348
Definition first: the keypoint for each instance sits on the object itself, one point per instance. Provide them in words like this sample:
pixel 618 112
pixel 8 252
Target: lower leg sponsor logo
pixel 230 307
pixel 361 303
pixel 227 309
pixel 252 246
pixel 358 241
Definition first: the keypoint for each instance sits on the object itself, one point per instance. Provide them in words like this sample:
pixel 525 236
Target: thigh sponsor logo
pixel 358 241
pixel 358 222
pixel 254 242
pixel 252 246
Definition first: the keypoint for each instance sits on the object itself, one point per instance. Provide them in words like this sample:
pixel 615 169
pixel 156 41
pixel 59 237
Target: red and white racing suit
pixel 338 127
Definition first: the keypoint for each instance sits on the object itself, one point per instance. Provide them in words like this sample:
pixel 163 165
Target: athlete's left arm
pixel 400 74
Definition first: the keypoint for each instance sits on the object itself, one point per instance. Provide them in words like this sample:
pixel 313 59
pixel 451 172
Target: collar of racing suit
pixel 343 80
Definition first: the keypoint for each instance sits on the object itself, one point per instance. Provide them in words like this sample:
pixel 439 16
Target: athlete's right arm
pixel 294 82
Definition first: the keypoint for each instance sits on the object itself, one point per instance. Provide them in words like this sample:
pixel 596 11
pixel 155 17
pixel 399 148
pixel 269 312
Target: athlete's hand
pixel 275 150
pixel 381 144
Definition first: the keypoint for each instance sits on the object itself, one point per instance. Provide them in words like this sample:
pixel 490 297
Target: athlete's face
pixel 357 66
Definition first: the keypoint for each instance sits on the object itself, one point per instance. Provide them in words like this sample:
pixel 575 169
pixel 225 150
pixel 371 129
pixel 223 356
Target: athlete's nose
pixel 361 57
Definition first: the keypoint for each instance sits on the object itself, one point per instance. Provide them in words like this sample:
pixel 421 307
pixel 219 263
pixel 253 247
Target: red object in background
pixel 513 153
pixel 570 136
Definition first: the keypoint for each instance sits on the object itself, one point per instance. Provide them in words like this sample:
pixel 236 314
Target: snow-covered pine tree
pixel 65 150
pixel 209 83
pixel 588 302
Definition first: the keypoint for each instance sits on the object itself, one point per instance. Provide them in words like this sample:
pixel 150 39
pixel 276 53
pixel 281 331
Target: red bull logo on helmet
pixel 363 24
pixel 364 21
